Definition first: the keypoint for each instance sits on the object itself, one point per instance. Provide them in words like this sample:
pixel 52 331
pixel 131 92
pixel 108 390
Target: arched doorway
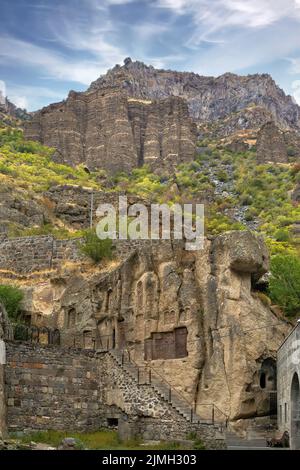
pixel 295 412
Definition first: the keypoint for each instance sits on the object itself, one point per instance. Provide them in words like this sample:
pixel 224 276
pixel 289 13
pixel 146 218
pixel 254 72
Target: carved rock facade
pixel 191 316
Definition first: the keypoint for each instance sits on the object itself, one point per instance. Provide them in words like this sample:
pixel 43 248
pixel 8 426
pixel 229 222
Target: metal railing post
pixel 150 376
pixel 170 394
pixel 192 415
pixel 213 414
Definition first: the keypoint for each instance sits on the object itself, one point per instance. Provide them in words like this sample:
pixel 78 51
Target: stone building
pixel 288 386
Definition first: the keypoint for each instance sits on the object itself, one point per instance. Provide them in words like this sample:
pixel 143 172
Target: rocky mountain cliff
pixel 106 129
pixel 208 98
pixel 9 110
pixel 137 115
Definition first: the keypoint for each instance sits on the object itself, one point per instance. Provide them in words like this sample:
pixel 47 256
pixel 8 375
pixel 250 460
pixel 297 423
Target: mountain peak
pixel 208 98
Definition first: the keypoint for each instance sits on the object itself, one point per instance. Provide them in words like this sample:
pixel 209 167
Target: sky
pixel 48 47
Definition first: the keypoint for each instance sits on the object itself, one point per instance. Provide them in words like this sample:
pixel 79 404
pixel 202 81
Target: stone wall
pixel 69 389
pixel 28 254
pixel 49 388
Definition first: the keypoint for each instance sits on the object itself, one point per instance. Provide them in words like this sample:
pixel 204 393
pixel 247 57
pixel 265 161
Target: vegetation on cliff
pixel 284 285
pixel 11 298
pixel 30 164
pixel 94 248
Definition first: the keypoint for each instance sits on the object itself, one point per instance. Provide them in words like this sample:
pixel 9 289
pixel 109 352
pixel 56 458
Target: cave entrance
pixel 295 412
pixel 267 375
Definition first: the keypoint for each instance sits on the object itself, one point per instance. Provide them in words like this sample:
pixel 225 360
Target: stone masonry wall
pixel 48 388
pixel 26 255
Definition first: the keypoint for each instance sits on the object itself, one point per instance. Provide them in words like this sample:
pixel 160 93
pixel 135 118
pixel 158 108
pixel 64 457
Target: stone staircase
pixel 143 376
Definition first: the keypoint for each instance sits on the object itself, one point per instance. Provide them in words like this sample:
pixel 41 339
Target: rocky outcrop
pixel 8 110
pixel 271 145
pixel 191 316
pixel 292 142
pixel 106 129
pixel 20 207
pixel 208 98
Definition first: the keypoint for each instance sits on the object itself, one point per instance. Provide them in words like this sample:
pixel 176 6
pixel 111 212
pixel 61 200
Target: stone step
pixel 163 390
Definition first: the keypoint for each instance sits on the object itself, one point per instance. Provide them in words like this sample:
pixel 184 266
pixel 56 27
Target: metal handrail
pixel 176 392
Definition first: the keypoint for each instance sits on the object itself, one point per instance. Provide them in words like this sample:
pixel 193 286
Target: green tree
pixel 284 287
pixel 95 248
pixel 11 298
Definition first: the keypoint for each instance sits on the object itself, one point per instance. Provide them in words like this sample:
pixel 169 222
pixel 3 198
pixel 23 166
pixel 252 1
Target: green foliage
pixel 284 286
pixel 31 166
pixel 199 445
pixel 282 235
pixel 95 248
pixel 98 440
pixel 266 188
pixel 11 298
pixel 45 229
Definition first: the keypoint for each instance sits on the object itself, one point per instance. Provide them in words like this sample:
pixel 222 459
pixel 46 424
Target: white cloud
pixel 295 65
pixel 243 50
pixel 31 97
pixel 213 17
pixel 2 92
pixel 296 90
pixel 48 63
pixel 20 101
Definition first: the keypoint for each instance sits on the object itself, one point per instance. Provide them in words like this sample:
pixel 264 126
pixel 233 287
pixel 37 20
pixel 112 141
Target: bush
pixel 284 287
pixel 282 235
pixel 95 248
pixel 11 298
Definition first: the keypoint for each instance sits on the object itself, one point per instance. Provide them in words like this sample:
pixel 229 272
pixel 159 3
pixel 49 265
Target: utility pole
pixel 92 209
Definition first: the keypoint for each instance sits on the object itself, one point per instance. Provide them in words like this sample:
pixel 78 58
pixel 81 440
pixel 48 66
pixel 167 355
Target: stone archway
pixel 295 412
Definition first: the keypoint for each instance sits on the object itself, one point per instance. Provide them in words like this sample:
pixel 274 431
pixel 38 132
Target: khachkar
pixel 3 325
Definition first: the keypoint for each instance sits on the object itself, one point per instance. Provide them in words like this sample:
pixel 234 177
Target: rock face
pixel 208 98
pixel 19 207
pixel 191 316
pixel 136 114
pixel 9 110
pixel 271 146
pixel 106 129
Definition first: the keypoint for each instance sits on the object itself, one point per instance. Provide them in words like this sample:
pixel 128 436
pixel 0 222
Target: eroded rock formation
pixel 192 316
pixel 108 130
pixel 271 146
